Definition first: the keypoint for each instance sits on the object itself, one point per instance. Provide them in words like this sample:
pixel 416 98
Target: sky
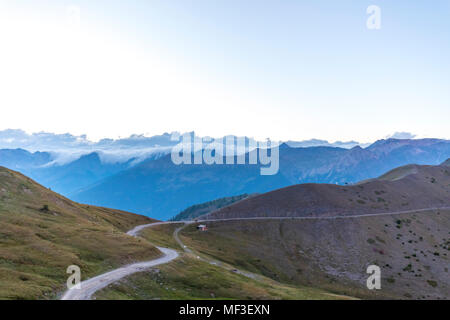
pixel 285 69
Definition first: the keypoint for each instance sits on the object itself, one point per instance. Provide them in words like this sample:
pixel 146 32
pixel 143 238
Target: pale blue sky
pixel 281 69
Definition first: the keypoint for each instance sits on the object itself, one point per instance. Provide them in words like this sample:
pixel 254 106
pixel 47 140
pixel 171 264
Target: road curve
pixel 90 286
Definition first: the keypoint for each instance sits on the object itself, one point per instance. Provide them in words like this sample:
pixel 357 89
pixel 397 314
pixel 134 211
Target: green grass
pixel 190 278
pixel 228 248
pixel 161 235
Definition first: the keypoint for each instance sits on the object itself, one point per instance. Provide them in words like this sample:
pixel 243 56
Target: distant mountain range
pixel 66 178
pixel 161 189
pixel 18 139
pixel 150 184
pixel 13 139
pixel 324 143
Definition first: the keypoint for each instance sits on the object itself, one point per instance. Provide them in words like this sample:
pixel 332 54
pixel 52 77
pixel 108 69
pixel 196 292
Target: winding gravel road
pixel 90 286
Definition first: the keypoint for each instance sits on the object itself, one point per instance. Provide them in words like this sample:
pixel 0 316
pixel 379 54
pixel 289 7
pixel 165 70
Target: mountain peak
pixel 284 145
pixel 446 163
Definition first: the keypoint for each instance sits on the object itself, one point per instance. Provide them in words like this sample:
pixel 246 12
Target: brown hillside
pixel 42 233
pixel 412 250
pixel 403 189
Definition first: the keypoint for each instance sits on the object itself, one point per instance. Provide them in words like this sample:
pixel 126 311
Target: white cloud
pixel 401 135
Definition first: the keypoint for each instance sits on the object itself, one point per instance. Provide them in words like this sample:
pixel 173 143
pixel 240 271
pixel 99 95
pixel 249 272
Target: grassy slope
pixel 162 235
pixel 189 278
pixel 38 244
pixel 192 278
pixel 412 250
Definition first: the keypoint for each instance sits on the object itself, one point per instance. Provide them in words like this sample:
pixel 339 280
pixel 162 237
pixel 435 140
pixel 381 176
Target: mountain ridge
pixel 92 179
pixel 155 184
pixel 420 187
